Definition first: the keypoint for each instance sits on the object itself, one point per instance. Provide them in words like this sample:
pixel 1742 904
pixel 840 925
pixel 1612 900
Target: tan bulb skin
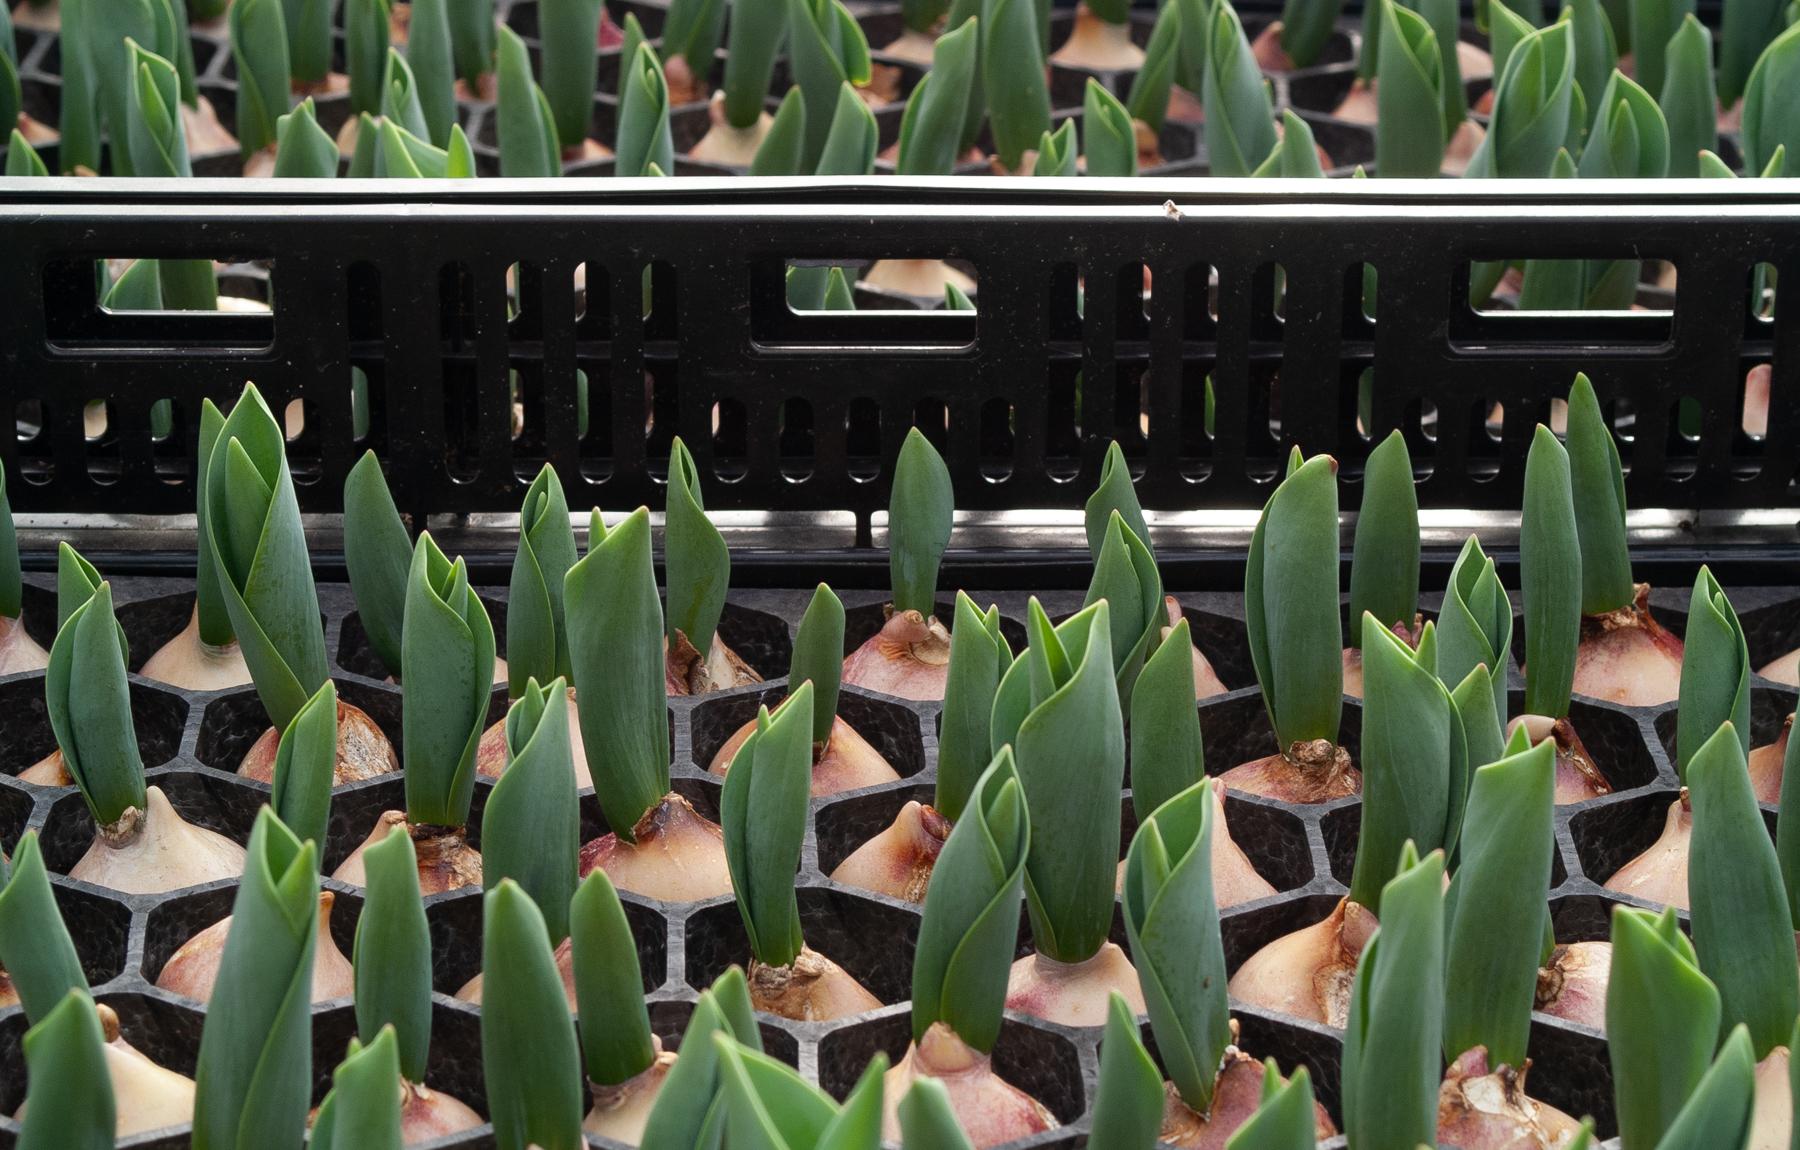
pixel 1073 993
pixel 1660 874
pixel 1307 974
pixel 898 861
pixel 194 969
pixel 191 663
pixel 18 650
pixel 1098 46
pixel 621 1111
pixel 727 144
pixel 446 860
pixel 1572 985
pixel 843 762
pixel 1308 772
pixel 677 855
pixel 1578 777
pixel 990 1109
pixel 686 673
pixel 1627 657
pixel 908 658
pixel 1772 1113
pixel 810 989
pixel 155 850
pixel 1483 1109
pixel 363 751
pixel 1237 1093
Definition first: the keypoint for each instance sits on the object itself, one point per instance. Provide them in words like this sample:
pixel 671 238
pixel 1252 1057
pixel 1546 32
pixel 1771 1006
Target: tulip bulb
pixel 564 957
pixel 1098 45
pixel 913 46
pixel 1479 1109
pixel 1237 1093
pixel 1353 658
pixel 191 663
pixel 363 751
pixel 1572 985
pixel 145 1096
pixel 1308 973
pixel 155 850
pixel 1577 778
pixel 843 762
pixel 811 989
pixel 1206 680
pixel 1627 657
pixel 898 861
pixel 492 758
pixel 726 143
pixel 1766 765
pixel 677 855
pixel 990 1109
pixel 1073 993
pixel 923 279
pixel 427 1114
pixel 194 968
pixel 49 771
pixel 909 658
pixel 621 1111
pixel 1660 874
pixel 1308 772
pixel 1772 1114
pixel 688 674
pixel 18 650
pixel 1235 879
pixel 446 860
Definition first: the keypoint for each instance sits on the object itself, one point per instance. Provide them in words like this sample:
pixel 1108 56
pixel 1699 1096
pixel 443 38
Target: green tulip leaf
pixel 305 763
pixel 569 30
pixel 826 48
pixel 1662 1020
pixel 1549 577
pixel 1409 133
pixel 303 150
pixel 1772 93
pixel 259 47
pixel 609 984
pixel 1128 1099
pixel 927 1121
pixel 431 53
pixel 818 658
pixel 1719 1113
pixel 699 562
pixel 763 810
pixel 851 141
pixel 921 509
pixel 89 703
pixel 531 829
pixel 392 953
pixel 1109 136
pixel 1384 568
pixel 644 142
pixel 1167 753
pixel 757 30
pixel 363 1108
pixel 931 129
pixel 529 1055
pixel 1715 672
pixel 1291 605
pixel 537 642
pixel 446 628
pixel 1240 121
pixel 35 948
pixel 1284 1120
pixel 780 152
pixel 1474 625
pixel 69 1101
pixel 524 123
pixel 1013 78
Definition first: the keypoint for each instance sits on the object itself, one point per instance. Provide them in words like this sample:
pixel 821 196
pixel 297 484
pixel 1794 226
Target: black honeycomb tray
pixel 192 741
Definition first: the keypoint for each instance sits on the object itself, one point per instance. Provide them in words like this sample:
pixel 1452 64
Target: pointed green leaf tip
pixel 35 948
pixel 537 641
pixel 1114 493
pixel 1392 1055
pixel 927 1121
pixel 1409 136
pixel 1057 153
pixel 76 581
pixel 22 159
pixel 1148 97
pixel 1172 924
pixel 446 628
pixel 1291 605
pixel 1597 486
pixel 1474 625
pixel 1384 568
pixel 253 1082
pixel 1495 906
pixel 1013 80
pixel 818 658
pixel 526 129
pixel 851 141
pixel 531 829
pixel 303 149
pixel 153 133
pixel 1109 137
pixel 763 810
pixel 768 1106
pixel 378 554
pixel 1296 156
pixel 609 984
pixel 1125 576
pixel 1530 119
pixel 644 142
pixel 1715 672
pixel 89 702
pixel 1742 930
pixel 363 1109
pixel 305 764
pixel 392 953
pixel 699 563
pixel 1549 577
pixel 1686 93
pixel 979 656
pixel 265 573
pixel 528 1049
pixel 1414 758
pixel 931 129
pixel 617 655
pixel 921 509
pixel 1128 1101
pixel 1284 1120
pixel 1662 1019
pixel 971 912
pixel 68 1096
pixel 779 154
pixel 1167 753
pixel 1240 120
pixel 1720 1111
pixel 688 1110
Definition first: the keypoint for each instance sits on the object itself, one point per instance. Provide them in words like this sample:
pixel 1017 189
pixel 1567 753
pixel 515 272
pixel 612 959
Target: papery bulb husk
pixel 844 762
pixel 724 142
pixel 621 1111
pixel 1627 657
pixel 1772 1114
pixel 1578 778
pixel 1206 680
pixel 563 956
pixel 679 856
pixel 1479 1109
pixel 1660 874
pixel 194 968
pixel 49 771
pixel 1353 657
pixel 1766 765
pixel 427 1114
pixel 684 87
pixel 991 1110
pixel 811 989
pixel 1237 1093
pixel 924 279
pixel 686 673
pixel 191 663
pixel 912 46
pixel 1266 48
pixel 363 751
pixel 898 861
pixel 1572 985
pixel 908 658
pixel 9 994
pixel 491 757
pixel 1097 45
pixel 1309 772
pixel 1235 879
pixel 1307 974
pixel 18 650
pixel 155 850
pixel 1073 993
pixel 446 860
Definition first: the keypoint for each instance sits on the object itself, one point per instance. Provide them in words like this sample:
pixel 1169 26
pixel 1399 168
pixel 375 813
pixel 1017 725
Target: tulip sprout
pixel 1128 1100
pixel 691 33
pixel 927 1121
pixel 303 149
pixel 1474 625
pixel 362 1110
pixel 1058 152
pixel 528 1049
pixel 446 628
pixel 609 984
pixel 1240 121
pixel 430 53
pixel 931 129
pixel 979 658
pixel 779 153
pixel 645 147
pixel 1013 79
pixel 1409 134
pixel 40 963
pixel 826 48
pixel 122 31
pixel 392 955
pixel 472 39
pixel 1715 673
pixel 767 1104
pixel 1687 95
pixel 537 639
pixel 259 47
pixel 1769 97
pixel 1109 134
pixel 1748 35
pixel 304 762
pixel 570 29
pixel 1722 1107
pixel 1550 577
pixel 1662 1021
pixel 699 575
pixel 689 1111
pixel 531 829
pixel 739 123
pixel 22 159
pixel 1148 97
pixel 1284 1116
pixel 378 555
pixel 69 1102
pixel 525 125
pixel 366 24
pixel 1384 565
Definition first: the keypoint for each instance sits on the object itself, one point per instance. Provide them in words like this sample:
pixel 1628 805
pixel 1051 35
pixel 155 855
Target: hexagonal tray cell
pixel 871 939
pixel 1247 931
pixel 1769 709
pixel 354 654
pixel 1340 826
pixel 453 1064
pixel 1292 1043
pixel 862 623
pixel 1033 1057
pixel 1610 832
pixel 150 623
pixel 456 920
pixel 159 716
pixel 760 639
pixel 669 1018
pixel 176 919
pixel 891 728
pixel 99 926
pixel 15 814
pixel 205 800
pixel 37 609
pixel 1236 730
pixel 841 825
pixel 1570 1070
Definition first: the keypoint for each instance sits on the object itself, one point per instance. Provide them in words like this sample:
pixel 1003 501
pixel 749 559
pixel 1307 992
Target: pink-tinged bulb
pixel 192 664
pixel 678 856
pixel 1206 680
pixel 621 1111
pixel 1660 874
pixel 812 989
pixel 1073 993
pixel 1482 1109
pixel 991 1110
pixel 898 861
pixel 145 1096
pixel 9 994
pixel 1785 669
pixel 1766 765
pixel 563 956
pixel 1578 778
pixel 492 757
pixel 908 658
pixel 155 850
pixel 686 673
pixel 362 750
pixel 194 968
pixel 427 1114
pixel 1098 45
pixel 1772 1115
pixel 1353 657
pixel 1237 1093
pixel 1235 879
pixel 844 762
pixel 446 860
pixel 1270 55
pixel 18 650
pixel 1627 657
pixel 49 771
pixel 1309 772
pixel 1572 985
pixel 1308 973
